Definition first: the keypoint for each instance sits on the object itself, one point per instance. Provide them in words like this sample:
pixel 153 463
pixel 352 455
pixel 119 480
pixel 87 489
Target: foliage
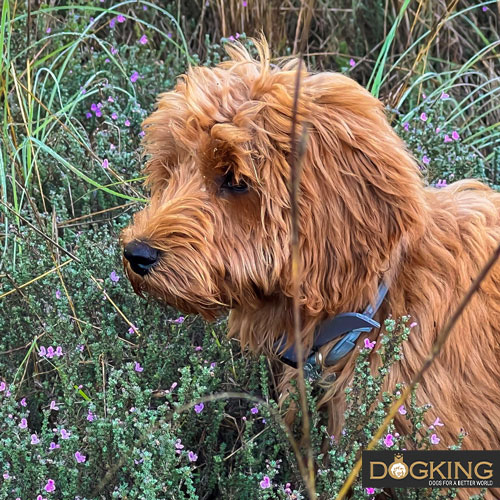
pixel 97 384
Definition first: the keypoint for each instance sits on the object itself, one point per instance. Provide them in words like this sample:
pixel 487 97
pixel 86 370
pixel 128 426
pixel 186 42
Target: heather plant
pixel 107 395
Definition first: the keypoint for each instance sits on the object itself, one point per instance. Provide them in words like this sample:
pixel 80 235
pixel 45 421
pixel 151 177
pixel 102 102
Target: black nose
pixel 141 256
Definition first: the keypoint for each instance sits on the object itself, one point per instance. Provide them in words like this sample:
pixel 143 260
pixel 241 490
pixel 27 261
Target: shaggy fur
pixel 365 215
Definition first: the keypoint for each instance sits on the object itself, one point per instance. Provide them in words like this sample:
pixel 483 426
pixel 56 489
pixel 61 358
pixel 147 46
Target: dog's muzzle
pixel 141 256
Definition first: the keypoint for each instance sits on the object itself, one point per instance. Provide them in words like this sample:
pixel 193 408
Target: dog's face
pixel 217 231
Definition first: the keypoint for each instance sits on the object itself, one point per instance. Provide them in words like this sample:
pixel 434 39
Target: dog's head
pixel 216 233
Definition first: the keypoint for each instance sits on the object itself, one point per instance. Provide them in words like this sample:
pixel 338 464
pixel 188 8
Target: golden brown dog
pixel 216 234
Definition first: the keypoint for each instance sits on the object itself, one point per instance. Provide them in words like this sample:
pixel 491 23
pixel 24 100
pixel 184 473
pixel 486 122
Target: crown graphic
pixel 398 457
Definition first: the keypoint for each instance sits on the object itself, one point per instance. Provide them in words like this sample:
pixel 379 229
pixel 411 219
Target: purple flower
pixel 388 440
pixel 90 416
pixel 288 489
pixel 198 348
pixel 80 458
pixel 441 183
pixel 142 133
pixel 244 3
pixel 435 439
pixel 143 40
pixel 212 365
pixel 3 386
pixel 98 113
pixel 126 123
pixel 50 486
pixel 107 60
pixel 423 117
pixel 455 136
pixel 178 445
pixel 132 329
pixel 80 347
pixel 438 130
pixel 192 456
pixel 402 410
pixel 447 138
pixel 42 352
pixel 6 475
pixel 437 423
pixel 23 424
pixel 485 9
pixel 110 99
pixel 59 351
pixel 134 77
pixel 53 446
pixel 113 276
pixel 112 23
pixel 138 367
pixel 50 352
pixel 53 406
pixel 444 96
pixel 413 325
pixel 179 320
pixel 370 491
pixel 93 107
pixel 114 51
pixel 254 410
pixel 352 63
pixel 406 126
pixel 23 402
pixel 368 344
pixel 426 160
pixel 88 115
pixel 173 386
pixel 265 483
pixel 120 18
pixel 199 407
pixel 65 434
pixel 34 439
pixel 48 30
pixel 114 116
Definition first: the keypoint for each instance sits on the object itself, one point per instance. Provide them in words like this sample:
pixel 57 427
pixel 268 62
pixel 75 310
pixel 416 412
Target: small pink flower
pixel 244 3
pixel 23 424
pixel 438 130
pixel 426 160
pixel 65 434
pixel 53 406
pixel 34 439
pixel 179 320
pixel 406 126
pixel 138 367
pixel 192 456
pixel 23 402
pixel 50 352
pixel 413 325
pixel 441 183
pixel 3 386
pixel 199 407
pixel 143 40
pixel 254 410
pixel 455 136
pixel 114 51
pixel 114 277
pixel 178 445
pixel 142 133
pixel 50 486
pixel 447 138
pixel 423 117
pixel 48 30
pixel 388 440
pixel 6 475
pixel 198 348
pixel 126 123
pixel 110 99
pixel 265 483
pixel 80 458
pixel 369 345
pixel 120 18
pixel 59 351
pixel 134 77
pixel 90 416
pixel 402 410
pixel 132 329
pixel 173 386
pixel 352 63
pixel 444 96
pixel 370 491
pixel 114 116
pixel 437 423
pixel 54 446
pixel 435 439
pixel 484 9
pixel 112 23
pixel 42 352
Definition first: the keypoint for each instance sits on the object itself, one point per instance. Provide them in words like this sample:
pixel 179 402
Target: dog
pixel 216 234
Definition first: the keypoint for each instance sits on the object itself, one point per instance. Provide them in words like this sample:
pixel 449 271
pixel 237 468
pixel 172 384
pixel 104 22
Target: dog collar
pixel 350 324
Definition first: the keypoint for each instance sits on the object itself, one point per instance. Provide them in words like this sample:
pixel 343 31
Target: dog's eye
pixel 229 183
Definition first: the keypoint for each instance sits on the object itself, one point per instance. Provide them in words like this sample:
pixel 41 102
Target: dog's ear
pixel 362 196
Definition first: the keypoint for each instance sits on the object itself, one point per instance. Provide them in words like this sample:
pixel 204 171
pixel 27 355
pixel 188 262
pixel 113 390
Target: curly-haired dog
pixel 216 234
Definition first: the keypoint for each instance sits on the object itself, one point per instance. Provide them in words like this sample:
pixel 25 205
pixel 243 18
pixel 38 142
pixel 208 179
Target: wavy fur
pixel 365 216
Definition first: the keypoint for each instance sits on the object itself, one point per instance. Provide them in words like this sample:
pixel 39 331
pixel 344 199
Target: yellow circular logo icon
pixel 398 469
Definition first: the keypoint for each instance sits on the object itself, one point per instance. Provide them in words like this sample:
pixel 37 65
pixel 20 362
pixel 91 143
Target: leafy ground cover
pixel 106 395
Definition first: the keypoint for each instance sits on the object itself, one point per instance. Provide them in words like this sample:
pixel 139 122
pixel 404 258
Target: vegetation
pixel 105 395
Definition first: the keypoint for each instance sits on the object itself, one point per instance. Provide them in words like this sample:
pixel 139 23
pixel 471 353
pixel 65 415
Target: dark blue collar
pixel 350 324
